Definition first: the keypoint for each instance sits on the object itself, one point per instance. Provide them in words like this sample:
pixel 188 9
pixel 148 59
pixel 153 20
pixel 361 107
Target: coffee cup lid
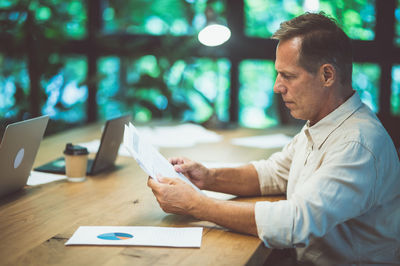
pixel 71 149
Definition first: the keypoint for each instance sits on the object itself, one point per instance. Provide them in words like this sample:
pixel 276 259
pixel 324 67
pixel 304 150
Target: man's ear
pixel 328 73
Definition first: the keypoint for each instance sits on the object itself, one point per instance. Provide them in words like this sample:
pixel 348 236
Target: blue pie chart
pixel 115 236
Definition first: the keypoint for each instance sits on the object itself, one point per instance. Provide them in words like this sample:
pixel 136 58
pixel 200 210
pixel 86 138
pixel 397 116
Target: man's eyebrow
pixel 285 72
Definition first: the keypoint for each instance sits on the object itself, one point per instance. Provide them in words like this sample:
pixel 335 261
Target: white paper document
pixel 137 236
pixel 148 158
pixel 183 135
pixel 221 164
pixel 39 178
pixel 263 142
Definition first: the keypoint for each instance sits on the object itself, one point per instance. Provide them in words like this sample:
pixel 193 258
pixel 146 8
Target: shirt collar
pixel 319 132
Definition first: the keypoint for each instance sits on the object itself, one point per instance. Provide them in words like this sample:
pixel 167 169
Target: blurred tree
pixel 36 31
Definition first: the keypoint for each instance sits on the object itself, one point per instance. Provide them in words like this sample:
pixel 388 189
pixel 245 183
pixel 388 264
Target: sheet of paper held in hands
pixel 137 236
pixel 148 158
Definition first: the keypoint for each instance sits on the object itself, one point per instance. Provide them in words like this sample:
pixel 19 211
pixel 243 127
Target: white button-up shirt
pixel 342 181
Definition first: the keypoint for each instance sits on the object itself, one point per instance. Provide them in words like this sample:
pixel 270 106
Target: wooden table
pixel 36 222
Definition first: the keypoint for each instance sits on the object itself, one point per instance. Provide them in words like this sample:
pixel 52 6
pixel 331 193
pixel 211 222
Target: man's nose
pixel 279 87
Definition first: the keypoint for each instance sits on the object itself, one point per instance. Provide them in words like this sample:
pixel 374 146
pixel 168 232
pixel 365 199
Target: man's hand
pixel 174 195
pixel 198 174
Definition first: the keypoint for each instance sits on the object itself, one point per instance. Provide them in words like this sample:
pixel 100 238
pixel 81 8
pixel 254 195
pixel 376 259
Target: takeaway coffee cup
pixel 76 158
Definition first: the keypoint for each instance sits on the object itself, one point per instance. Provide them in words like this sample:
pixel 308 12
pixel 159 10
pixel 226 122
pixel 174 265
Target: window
pixel 65 91
pixel 366 83
pixel 160 17
pixel 14 87
pixel 397 24
pixel 262 17
pixel 194 89
pixel 149 63
pixel 395 98
pixel 53 19
pixel 256 97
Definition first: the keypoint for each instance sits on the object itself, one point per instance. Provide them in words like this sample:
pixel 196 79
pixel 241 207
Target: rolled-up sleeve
pixel 340 189
pixel 273 173
pixel 274 223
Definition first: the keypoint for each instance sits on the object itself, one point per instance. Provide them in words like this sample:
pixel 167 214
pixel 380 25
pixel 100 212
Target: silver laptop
pixel 106 155
pixel 18 150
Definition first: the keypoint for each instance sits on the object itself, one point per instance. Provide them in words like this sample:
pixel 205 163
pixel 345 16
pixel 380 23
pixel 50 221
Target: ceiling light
pixel 214 35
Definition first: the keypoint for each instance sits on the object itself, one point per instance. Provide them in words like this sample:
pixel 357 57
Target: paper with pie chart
pixel 149 158
pixel 137 236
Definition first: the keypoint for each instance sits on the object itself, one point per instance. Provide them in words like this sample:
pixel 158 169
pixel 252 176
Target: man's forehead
pixel 287 53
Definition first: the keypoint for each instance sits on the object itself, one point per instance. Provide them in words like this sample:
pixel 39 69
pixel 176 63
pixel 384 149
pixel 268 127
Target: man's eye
pixel 289 77
pixel 284 76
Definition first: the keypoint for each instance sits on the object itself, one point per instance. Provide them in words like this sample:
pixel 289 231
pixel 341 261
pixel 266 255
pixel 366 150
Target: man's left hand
pixel 174 195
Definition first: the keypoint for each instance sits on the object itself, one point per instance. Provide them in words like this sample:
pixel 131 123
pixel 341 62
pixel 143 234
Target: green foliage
pixel 159 17
pixel 366 82
pixel 54 19
pixel 395 97
pixel 397 24
pixel 144 16
pixel 256 96
pixel 14 87
pixel 66 90
pixel 37 30
pixel 155 87
pixel 262 17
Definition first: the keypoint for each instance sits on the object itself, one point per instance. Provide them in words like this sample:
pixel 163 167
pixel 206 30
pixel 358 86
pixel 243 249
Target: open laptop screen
pixel 105 156
pixel 18 150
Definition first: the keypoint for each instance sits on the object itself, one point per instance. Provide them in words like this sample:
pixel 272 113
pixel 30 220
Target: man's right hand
pixel 198 174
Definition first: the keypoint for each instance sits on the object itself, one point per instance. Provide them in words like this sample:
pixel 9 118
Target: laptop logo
pixel 18 158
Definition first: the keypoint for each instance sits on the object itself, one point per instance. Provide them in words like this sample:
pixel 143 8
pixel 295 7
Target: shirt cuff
pixel 266 180
pixel 274 222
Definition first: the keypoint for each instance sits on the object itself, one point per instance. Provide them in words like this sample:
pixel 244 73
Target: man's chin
pixel 296 115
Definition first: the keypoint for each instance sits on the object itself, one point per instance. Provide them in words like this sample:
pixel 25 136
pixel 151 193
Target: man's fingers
pixel 167 180
pixel 186 167
pixel 178 160
pixel 178 168
pixel 153 184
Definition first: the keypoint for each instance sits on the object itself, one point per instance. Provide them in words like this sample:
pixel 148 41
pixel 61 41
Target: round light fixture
pixel 214 35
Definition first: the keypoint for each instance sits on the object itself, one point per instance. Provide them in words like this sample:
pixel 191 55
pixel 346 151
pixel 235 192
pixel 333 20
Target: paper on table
pixel 218 195
pixel 137 236
pixel 148 158
pixel 39 178
pixel 266 141
pixel 184 135
pixel 221 164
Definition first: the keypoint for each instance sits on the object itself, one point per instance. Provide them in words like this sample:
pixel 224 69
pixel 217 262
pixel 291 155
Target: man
pixel 341 173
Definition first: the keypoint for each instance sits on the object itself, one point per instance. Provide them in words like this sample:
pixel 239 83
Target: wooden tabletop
pixel 36 222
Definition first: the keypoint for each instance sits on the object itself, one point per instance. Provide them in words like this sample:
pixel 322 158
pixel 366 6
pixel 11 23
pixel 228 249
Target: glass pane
pixel 109 84
pixel 66 91
pixel 14 88
pixel 53 19
pixel 395 98
pixel 203 84
pixel 256 97
pixel 175 17
pixel 262 17
pixel 397 24
pixel 366 82
pixel 154 88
